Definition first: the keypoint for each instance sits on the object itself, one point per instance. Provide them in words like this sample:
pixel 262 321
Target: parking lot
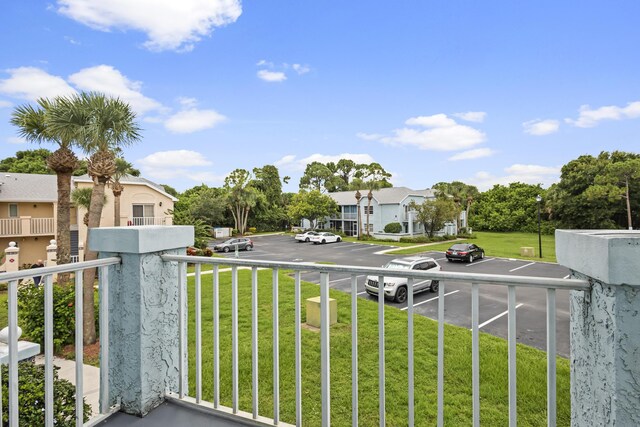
pixel 530 303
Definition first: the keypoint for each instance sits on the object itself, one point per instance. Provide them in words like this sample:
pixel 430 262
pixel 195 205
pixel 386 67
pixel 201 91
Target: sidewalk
pixel 90 379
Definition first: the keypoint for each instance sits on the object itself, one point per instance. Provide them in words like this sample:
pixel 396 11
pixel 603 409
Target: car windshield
pixel 398 266
pixel 228 242
pixel 459 247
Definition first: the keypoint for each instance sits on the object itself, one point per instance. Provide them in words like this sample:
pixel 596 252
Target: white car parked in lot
pixel 306 236
pixel 324 237
pixel 396 287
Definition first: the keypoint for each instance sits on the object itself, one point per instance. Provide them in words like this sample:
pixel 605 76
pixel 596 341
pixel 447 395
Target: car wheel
pixel 482 255
pixel 449 259
pixel 249 248
pixel 306 240
pixel 471 258
pixel 324 241
pixel 225 249
pixel 338 240
pixel 435 285
pixel 401 294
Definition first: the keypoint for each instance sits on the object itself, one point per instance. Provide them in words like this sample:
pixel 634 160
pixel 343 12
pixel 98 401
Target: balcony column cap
pixel 140 239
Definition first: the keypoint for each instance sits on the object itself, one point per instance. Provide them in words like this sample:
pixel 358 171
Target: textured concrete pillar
pixel 605 325
pixel 143 312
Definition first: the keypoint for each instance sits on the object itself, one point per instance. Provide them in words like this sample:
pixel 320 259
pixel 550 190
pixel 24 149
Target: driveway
pixel 530 302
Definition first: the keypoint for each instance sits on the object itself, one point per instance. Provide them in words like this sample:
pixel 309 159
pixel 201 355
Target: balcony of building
pixel 183 343
pixel 26 226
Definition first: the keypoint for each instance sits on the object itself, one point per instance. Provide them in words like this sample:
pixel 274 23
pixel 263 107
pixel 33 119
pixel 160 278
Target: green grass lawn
pixel 457 388
pixel 505 245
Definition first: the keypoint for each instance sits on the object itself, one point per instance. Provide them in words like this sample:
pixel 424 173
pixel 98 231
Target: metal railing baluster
pixel 103 291
pixel 381 355
pixel 441 355
pixel 216 337
pixel 276 349
pixel 551 357
pixel 182 386
pixel 354 350
pixel 254 341
pixel 48 350
pixel 13 353
pixel 410 373
pixel 298 350
pixel 79 349
pixel 513 414
pixel 325 372
pixel 198 296
pixel 234 339
pixel 475 353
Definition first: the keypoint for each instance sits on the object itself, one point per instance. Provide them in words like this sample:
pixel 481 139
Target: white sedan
pixel 324 237
pixel 306 236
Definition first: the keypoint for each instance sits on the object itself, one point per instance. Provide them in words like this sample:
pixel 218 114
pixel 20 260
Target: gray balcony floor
pixel 169 415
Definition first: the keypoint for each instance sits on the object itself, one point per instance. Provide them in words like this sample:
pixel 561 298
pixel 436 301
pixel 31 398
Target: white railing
pixel 153 220
pixel 474 280
pixel 10 227
pixel 47 274
pixel 42 226
pixel 74 258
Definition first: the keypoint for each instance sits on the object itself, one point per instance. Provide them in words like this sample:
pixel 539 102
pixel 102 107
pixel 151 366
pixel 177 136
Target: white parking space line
pixel 430 299
pixel 522 266
pixel 479 262
pixel 345 278
pixel 567 276
pixel 441 259
pixel 497 317
pixel 361 293
pixel 368 247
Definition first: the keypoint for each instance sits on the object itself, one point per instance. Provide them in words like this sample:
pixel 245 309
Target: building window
pixel 143 214
pixel 370 210
pixel 13 210
pixel 370 228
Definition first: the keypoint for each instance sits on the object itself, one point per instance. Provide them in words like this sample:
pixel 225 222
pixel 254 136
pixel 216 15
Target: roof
pixel 384 196
pixel 25 187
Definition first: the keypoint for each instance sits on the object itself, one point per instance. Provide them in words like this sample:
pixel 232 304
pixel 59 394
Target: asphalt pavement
pixel 530 302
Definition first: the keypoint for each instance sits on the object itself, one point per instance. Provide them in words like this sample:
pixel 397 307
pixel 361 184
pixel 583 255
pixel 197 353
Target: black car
pixel 464 252
pixel 242 243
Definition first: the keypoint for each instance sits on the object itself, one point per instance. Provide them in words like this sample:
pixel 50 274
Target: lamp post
pixel 358 198
pixel 539 199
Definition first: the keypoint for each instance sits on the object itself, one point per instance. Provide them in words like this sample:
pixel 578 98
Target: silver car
pixel 395 288
pixel 242 243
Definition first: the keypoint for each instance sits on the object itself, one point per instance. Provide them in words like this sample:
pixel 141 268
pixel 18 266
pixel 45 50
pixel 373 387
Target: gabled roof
pixel 384 196
pixel 25 187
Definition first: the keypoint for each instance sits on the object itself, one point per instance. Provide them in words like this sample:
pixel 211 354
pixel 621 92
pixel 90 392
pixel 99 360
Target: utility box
pixel 313 311
pixel 527 251
pixel 221 232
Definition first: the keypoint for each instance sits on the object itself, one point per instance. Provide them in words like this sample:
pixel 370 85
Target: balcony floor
pixel 170 415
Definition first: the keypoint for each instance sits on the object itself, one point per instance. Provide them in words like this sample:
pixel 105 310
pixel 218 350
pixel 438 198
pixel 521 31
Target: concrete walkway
pixel 90 379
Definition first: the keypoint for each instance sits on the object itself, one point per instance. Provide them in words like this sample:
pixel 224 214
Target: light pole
pixel 358 197
pixel 539 199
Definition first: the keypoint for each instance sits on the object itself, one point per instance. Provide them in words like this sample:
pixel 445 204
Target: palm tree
pixel 81 197
pixel 102 125
pixel 35 126
pixel 123 168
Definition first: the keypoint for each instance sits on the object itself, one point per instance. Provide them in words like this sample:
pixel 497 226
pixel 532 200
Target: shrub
pixel 31 392
pixel 393 227
pixel 448 237
pixel 418 239
pixel 235 232
pixel 252 229
pixel 31 319
pixel 207 252
pixel 337 232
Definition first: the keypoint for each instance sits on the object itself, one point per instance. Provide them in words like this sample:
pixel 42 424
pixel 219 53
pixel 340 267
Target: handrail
pixel 493 279
pixel 63 268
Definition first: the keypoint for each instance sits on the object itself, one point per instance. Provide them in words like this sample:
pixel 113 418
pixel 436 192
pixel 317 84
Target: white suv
pixel 396 287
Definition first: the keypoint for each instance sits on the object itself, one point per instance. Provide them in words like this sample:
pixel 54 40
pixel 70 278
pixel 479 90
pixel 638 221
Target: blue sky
pixel 483 92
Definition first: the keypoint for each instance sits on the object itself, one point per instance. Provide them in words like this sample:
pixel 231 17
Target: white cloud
pixel 528 174
pixel 188 102
pixel 265 63
pixel 541 127
pixel 31 83
pixel 472 154
pixel 472 116
pixel 289 162
pixel 108 80
pixel 172 164
pixel 271 76
pixel 72 40
pixel 301 69
pixel 16 140
pixel 207 178
pixel 168 24
pixel 589 118
pixel 193 120
pixel 442 133
pixel 5 104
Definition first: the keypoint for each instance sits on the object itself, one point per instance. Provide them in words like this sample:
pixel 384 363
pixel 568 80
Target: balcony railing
pixel 475 281
pixel 152 220
pixel 47 274
pixel 26 226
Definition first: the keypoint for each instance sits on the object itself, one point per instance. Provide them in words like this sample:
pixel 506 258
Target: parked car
pixel 464 252
pixel 242 243
pixel 395 288
pixel 324 237
pixel 306 236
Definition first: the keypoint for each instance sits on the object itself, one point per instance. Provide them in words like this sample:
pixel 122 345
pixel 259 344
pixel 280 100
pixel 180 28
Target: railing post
pixel 143 312
pixel 12 258
pixel 605 338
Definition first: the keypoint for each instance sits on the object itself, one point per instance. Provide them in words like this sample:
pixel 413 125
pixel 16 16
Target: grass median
pixel 531 363
pixel 504 245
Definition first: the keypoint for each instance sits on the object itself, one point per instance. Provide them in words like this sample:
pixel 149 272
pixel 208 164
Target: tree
pixel 123 168
pixel 28 161
pixel 170 190
pixel 311 205
pixel 433 214
pixel 621 173
pixel 462 194
pixel 81 197
pixel 39 124
pixel 316 177
pixel 509 208
pixel 101 125
pixel 241 197
pixel 374 177
pixel 269 212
